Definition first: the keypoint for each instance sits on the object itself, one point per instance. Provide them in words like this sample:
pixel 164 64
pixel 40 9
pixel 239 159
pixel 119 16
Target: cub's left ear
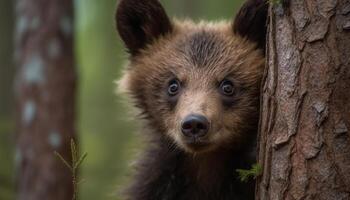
pixel 250 21
pixel 140 22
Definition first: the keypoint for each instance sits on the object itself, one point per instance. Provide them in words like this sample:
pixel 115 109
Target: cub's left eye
pixel 227 88
pixel 174 87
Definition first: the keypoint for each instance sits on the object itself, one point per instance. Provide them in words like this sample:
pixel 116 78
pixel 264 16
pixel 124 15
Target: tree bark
pixel 45 88
pixel 304 136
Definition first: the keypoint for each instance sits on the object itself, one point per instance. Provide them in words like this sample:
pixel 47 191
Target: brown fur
pixel 200 55
pixel 149 73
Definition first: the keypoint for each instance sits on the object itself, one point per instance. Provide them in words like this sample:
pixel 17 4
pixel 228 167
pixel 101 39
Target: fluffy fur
pixel 199 55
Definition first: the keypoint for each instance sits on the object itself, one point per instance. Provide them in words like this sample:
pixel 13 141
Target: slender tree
pixel 45 97
pixel 305 120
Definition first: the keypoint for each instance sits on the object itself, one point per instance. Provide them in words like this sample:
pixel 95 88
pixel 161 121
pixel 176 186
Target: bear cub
pixel 196 86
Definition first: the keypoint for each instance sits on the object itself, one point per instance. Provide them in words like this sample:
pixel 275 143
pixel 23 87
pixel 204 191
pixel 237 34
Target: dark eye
pixel 227 88
pixel 174 87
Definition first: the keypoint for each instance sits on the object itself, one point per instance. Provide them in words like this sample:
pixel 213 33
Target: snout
pixel 195 126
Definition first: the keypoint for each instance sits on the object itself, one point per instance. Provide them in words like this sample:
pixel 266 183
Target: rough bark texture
pixel 305 122
pixel 45 96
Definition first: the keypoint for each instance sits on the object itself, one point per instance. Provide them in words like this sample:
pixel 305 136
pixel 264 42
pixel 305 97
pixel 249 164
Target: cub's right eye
pixel 174 87
pixel 227 88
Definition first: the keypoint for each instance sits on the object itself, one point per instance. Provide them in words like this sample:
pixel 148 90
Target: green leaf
pixel 245 175
pixel 74 151
pixel 81 160
pixel 74 166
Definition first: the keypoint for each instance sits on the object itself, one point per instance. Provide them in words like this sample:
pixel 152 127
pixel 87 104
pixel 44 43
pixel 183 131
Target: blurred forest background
pixel 104 130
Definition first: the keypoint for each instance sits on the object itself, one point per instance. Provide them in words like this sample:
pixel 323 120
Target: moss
pixel 246 174
pixel 29 112
pixel 55 139
pixel 34 69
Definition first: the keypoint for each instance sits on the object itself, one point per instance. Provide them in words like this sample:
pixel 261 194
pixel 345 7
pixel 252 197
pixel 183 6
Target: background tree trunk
pixel 45 96
pixel 305 122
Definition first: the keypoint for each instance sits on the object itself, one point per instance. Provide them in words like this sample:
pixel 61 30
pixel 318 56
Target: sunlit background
pixel 105 131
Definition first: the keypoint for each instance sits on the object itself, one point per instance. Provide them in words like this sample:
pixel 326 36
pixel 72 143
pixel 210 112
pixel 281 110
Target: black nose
pixel 195 125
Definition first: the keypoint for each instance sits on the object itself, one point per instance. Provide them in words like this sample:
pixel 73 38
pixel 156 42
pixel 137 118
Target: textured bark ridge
pixel 305 121
pixel 45 91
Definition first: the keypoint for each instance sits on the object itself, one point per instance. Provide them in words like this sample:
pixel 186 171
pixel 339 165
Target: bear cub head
pixel 196 84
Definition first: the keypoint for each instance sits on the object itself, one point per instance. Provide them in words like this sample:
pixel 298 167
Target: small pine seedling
pixel 246 174
pixel 76 162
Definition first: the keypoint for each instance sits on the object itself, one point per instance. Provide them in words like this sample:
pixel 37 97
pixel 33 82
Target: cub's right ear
pixel 250 21
pixel 140 22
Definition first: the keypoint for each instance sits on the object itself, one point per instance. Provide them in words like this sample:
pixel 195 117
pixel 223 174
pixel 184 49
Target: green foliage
pixel 77 160
pixel 245 175
pixel 7 166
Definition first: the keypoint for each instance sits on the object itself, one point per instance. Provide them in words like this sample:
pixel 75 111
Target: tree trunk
pixel 45 98
pixel 305 121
